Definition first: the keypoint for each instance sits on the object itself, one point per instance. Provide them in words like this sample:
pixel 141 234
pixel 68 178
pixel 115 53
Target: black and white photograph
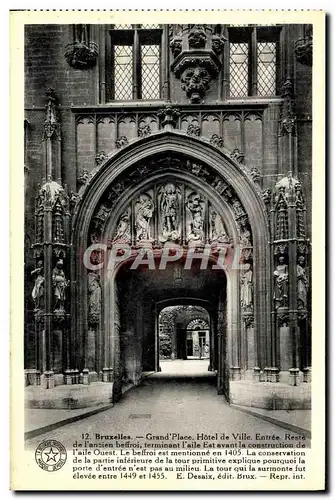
pixel 168 192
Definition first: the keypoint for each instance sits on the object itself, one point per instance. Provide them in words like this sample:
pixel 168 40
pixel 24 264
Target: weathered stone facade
pixel 195 168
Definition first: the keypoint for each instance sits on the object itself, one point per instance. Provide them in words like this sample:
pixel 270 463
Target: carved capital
pixel 283 318
pixel 121 142
pixel 196 68
pixel 266 196
pixel 255 175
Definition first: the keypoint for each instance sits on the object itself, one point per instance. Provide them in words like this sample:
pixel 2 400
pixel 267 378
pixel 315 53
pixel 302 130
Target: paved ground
pixel 165 402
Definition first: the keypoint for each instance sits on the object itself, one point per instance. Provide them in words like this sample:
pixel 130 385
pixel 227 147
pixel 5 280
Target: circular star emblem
pixel 50 455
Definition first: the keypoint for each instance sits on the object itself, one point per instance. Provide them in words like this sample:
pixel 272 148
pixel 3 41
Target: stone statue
pixel 60 284
pixel 38 290
pixel 122 233
pixel 281 283
pixel 302 283
pixel 145 209
pixel 94 300
pixel 169 206
pixel 247 289
pixel 195 227
pixel 219 234
pixel 245 234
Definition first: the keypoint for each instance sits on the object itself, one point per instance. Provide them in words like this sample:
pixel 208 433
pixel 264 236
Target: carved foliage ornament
pixel 216 140
pixel 100 158
pixel 144 130
pixel 193 129
pixel 195 81
pixel 176 45
pixel 218 44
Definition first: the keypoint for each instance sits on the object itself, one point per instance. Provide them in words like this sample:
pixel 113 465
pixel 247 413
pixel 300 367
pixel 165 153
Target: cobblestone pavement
pixel 171 404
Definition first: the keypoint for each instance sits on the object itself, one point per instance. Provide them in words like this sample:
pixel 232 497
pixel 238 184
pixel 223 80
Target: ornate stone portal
pixel 176 199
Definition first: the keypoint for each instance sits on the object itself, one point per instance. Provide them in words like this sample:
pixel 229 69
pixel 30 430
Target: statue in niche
pixel 94 300
pixel 144 210
pixel 169 206
pixel 195 227
pixel 281 283
pixel 237 207
pixel 123 228
pixel 247 289
pixel 302 283
pixel 60 284
pixel 38 290
pixel 218 230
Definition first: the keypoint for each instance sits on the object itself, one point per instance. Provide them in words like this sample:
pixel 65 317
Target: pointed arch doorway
pixel 214 206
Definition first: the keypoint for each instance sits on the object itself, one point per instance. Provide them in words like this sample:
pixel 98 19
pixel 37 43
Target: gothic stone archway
pixel 108 203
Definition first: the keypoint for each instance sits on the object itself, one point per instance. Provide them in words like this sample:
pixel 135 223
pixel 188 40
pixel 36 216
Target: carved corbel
pixel 196 68
pixel 82 53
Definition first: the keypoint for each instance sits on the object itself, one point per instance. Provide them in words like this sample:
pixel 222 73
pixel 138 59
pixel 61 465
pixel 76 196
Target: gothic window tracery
pixel 253 60
pixel 135 54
